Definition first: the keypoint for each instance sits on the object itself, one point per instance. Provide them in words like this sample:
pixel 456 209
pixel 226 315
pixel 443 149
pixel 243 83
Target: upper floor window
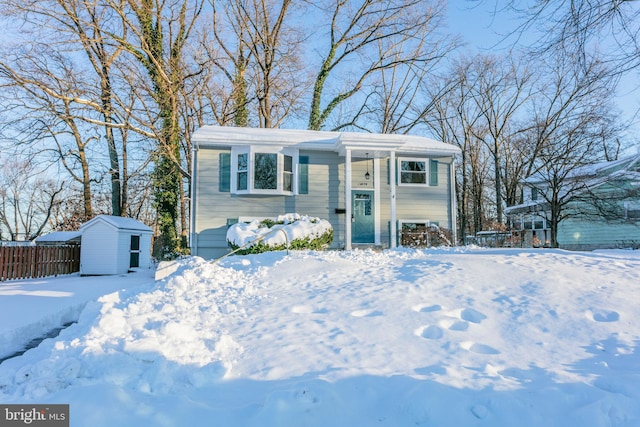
pixel 418 171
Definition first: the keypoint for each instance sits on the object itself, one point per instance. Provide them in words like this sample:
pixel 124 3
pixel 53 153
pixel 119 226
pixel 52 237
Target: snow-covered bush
pixel 290 231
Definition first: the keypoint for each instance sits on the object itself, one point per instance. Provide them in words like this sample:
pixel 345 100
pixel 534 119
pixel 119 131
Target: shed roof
pixel 121 223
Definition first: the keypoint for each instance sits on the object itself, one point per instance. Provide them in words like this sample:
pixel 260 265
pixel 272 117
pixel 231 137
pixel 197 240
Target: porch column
pixel 193 233
pixel 454 205
pixel 392 186
pixel 376 200
pixel 347 200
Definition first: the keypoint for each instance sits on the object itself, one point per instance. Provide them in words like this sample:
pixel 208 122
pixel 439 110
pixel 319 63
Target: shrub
pixel 297 232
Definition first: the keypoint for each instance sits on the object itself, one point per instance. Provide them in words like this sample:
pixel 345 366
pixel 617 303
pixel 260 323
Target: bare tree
pixel 26 199
pixel 577 26
pixel 500 89
pixel 50 101
pixel 156 37
pixel 84 25
pixel 455 119
pixel 259 52
pixel 570 125
pixel 400 97
pixel 230 57
pixel 380 35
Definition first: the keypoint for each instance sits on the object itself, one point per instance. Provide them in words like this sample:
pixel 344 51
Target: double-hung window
pixel 287 173
pixel 260 170
pixel 413 171
pixel 242 171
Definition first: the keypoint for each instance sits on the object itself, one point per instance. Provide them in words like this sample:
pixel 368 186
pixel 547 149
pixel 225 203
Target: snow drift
pixel 448 337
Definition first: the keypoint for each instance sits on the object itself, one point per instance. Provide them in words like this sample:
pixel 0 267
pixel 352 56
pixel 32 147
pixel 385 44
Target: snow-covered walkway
pixel 31 308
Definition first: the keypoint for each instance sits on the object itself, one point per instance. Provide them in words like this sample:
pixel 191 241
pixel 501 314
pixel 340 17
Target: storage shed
pixel 114 245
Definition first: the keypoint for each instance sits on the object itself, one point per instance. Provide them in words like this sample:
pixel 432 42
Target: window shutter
pixel 303 175
pixel 433 172
pixel 389 172
pixel 224 173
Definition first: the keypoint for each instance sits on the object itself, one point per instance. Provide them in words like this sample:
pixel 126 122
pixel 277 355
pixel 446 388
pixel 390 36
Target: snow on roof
pixel 58 236
pixel 593 170
pixel 119 222
pixel 321 140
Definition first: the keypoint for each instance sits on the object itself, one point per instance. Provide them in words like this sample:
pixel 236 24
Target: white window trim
pixel 251 151
pixel 426 162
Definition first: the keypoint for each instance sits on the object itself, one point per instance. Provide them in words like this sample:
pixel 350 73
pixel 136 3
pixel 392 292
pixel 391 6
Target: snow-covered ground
pixel 448 337
pixel 31 308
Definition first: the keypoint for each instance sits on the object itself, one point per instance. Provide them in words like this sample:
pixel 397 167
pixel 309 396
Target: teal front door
pixel 362 224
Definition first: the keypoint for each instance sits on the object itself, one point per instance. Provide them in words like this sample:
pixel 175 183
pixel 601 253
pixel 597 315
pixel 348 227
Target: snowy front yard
pixel 448 337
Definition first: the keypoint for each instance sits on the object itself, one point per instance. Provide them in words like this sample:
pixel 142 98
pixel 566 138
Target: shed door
pixel 363 224
pixel 134 258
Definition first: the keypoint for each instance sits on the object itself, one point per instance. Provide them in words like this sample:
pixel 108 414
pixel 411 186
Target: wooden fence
pixel 27 262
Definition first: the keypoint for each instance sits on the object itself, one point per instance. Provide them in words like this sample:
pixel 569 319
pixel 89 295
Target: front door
pixel 362 224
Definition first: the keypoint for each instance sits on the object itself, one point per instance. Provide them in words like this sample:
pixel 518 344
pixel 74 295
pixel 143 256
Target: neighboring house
pixel 114 245
pixel 241 173
pixel 604 211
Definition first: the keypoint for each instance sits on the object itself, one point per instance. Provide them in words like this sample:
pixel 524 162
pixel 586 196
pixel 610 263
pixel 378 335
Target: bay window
pixel 263 170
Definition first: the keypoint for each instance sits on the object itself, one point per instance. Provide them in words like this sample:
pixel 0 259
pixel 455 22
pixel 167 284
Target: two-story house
pixel 601 207
pixel 368 186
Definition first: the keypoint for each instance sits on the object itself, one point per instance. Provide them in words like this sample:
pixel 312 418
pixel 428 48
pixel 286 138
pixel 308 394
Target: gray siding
pixel 215 208
pixel 578 234
pixel 426 202
pixel 431 203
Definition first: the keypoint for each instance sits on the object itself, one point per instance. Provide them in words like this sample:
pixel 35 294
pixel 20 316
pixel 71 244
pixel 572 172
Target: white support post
pixel 376 199
pixel 454 206
pixel 347 200
pixel 392 182
pixel 193 235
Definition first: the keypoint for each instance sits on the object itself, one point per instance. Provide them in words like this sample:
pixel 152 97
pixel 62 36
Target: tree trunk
pixel 497 166
pixel 86 185
pixel 114 162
